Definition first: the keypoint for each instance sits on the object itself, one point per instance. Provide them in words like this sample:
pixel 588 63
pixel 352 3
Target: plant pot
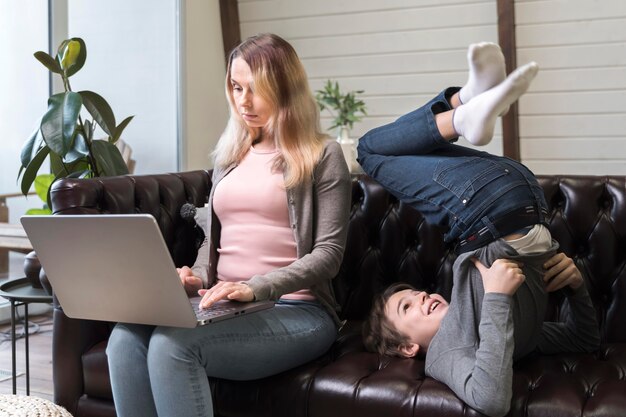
pixel 32 266
pixel 348 147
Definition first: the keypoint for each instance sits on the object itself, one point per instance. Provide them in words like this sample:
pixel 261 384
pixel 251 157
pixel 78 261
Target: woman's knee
pixel 128 343
pixel 170 344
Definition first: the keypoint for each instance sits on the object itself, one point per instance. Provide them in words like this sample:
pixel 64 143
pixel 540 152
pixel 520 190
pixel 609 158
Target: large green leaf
pixel 80 60
pixel 38 211
pixel 48 62
pixel 88 130
pixel 80 174
pixel 120 128
pixel 59 122
pixel 57 167
pixel 78 149
pixel 65 169
pixel 42 185
pixel 22 168
pixel 98 107
pixel 30 147
pixel 31 170
pixel 108 159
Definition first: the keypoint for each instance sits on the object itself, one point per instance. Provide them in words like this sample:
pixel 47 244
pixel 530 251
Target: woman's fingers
pixel 225 291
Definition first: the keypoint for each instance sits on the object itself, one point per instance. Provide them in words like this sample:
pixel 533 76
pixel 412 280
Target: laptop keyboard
pixel 215 310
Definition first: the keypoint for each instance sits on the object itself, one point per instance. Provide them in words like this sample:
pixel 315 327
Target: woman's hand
pixel 504 277
pixel 225 291
pixel 191 283
pixel 561 271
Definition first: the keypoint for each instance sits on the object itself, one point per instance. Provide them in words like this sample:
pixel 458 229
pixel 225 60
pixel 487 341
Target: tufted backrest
pixel 162 196
pixel 388 241
pixel 588 219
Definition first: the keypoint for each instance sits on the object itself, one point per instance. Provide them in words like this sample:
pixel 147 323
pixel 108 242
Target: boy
pixel 494 211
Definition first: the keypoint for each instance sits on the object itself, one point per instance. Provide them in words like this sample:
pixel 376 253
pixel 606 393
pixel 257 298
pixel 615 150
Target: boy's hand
pixel 504 277
pixel 561 271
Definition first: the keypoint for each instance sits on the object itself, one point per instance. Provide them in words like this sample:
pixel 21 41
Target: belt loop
pixel 491 227
pixel 541 211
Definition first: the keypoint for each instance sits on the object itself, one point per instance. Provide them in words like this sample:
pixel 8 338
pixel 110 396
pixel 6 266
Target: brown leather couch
pixel 388 242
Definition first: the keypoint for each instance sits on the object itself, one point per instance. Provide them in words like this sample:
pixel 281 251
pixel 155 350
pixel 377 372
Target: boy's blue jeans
pixel 163 371
pixel 479 197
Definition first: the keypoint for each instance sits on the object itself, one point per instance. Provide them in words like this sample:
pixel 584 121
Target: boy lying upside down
pixel 494 211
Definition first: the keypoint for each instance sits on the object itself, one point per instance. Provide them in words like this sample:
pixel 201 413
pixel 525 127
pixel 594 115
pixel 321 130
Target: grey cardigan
pixel 319 211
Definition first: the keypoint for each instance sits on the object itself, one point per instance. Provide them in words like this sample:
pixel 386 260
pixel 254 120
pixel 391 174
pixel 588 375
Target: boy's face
pixel 417 315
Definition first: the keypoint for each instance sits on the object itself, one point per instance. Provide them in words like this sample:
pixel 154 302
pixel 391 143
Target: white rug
pixel 25 406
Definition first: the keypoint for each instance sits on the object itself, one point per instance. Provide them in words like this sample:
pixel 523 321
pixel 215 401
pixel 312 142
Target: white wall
pixel 573 118
pixel 205 111
pixel 401 52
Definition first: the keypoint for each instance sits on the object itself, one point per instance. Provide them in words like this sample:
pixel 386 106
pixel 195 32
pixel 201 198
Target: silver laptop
pixel 118 268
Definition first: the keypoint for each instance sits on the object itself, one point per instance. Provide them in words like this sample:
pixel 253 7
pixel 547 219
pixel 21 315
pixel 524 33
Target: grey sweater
pixel 482 334
pixel 319 210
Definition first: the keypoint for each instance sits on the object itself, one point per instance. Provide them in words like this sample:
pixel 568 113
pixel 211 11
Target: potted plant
pixel 64 137
pixel 67 139
pixel 346 109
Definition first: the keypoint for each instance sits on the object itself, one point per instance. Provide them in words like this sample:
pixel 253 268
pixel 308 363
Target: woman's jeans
pixel 477 196
pixel 163 371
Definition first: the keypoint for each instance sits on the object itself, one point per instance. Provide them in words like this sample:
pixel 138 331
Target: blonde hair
pixel 280 79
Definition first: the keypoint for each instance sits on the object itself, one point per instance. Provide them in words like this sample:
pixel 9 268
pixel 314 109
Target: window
pixel 132 61
pixel 24 87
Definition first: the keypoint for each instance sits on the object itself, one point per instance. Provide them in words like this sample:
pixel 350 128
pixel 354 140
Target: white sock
pixel 486 69
pixel 476 120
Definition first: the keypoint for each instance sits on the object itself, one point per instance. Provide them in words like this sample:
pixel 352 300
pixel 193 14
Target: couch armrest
pixel 159 195
pixel 71 339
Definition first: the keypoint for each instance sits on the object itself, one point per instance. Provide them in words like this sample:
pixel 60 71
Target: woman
pixel 277 230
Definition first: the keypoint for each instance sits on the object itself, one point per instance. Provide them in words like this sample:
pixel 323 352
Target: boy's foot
pixel 486 69
pixel 476 120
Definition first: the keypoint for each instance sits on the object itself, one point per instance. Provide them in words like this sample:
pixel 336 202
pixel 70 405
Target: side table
pixel 19 292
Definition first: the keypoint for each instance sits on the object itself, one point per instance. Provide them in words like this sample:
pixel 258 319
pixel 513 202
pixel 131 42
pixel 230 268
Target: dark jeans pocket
pixel 465 176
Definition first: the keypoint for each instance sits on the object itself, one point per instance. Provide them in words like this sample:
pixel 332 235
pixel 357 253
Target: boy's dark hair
pixel 379 335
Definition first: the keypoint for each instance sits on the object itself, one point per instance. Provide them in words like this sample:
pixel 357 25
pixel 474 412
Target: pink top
pixel 256 237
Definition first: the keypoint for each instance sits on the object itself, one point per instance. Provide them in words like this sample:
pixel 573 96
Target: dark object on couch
pixel 388 241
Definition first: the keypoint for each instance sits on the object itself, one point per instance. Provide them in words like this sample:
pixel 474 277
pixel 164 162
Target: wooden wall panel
pixel 576 167
pixel 401 52
pixel 554 11
pixel 289 9
pixel 375 21
pixel 389 42
pixel 573 118
pixel 565 149
pixel 574 103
